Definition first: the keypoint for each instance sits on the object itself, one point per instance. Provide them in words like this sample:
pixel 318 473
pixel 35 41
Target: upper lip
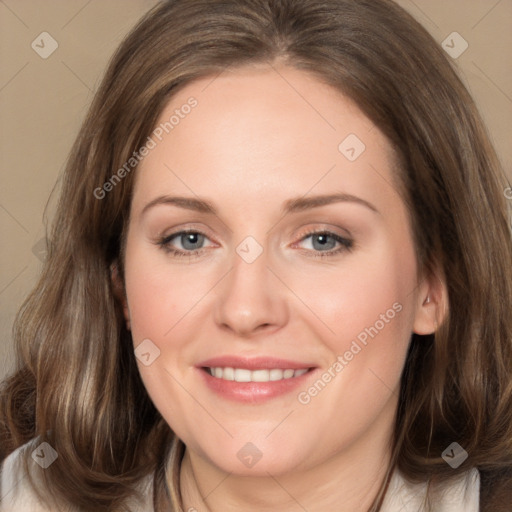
pixel 253 363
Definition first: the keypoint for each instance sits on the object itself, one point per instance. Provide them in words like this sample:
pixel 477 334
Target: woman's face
pixel 305 334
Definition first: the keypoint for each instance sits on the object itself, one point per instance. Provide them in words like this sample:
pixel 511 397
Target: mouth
pixel 259 375
pixel 253 380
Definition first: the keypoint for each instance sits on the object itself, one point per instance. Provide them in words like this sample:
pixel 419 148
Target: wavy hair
pixel 76 383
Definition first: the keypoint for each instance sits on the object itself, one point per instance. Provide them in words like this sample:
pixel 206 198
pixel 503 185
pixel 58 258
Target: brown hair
pixel 74 354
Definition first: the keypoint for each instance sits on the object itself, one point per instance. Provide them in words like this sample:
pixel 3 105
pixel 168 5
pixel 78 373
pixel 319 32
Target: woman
pixel 260 371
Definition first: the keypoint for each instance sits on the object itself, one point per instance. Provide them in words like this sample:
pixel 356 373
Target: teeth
pixel 260 376
pixel 240 375
pixel 244 375
pixel 275 374
pixel 227 373
pixel 287 374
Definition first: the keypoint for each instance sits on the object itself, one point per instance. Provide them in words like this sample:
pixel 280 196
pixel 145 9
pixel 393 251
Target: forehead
pixel 262 131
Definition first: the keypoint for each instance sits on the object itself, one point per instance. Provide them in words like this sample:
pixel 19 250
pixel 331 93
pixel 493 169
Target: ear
pixel 119 291
pixel 432 303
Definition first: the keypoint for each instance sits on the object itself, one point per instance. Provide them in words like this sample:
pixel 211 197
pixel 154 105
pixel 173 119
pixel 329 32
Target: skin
pixel 260 136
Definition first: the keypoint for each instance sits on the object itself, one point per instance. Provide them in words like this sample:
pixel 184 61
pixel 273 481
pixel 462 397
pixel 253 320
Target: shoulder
pixel 459 495
pixel 16 493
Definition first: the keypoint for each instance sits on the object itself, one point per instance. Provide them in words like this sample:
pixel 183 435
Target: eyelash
pixel 347 245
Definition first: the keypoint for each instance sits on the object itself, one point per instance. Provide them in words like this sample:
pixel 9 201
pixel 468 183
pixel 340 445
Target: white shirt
pixel 402 496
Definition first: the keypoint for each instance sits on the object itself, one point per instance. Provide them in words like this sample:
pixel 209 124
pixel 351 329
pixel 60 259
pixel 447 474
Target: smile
pixel 260 375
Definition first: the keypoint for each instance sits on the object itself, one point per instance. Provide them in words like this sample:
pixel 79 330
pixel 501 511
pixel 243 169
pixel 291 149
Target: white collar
pixel 459 495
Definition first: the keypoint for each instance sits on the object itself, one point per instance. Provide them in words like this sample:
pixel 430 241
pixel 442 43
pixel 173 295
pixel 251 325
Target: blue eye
pixel 324 243
pixel 188 239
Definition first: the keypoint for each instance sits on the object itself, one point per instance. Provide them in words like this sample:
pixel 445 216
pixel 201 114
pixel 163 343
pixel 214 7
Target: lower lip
pixel 252 392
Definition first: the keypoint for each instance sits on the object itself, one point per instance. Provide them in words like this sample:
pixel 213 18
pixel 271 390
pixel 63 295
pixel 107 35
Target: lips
pixel 253 379
pixel 254 363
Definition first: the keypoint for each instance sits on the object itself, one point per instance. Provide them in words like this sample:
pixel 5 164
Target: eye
pixel 191 242
pixel 323 243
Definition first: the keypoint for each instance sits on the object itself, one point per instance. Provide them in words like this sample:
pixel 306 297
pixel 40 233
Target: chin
pixel 256 458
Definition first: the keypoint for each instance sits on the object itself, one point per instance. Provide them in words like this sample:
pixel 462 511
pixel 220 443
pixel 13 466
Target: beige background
pixel 42 102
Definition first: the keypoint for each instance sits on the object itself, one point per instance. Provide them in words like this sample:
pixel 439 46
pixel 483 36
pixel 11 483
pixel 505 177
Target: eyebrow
pixel 298 204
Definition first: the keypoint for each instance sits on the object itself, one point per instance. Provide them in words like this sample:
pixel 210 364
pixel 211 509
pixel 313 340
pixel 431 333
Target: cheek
pixel 158 301
pixel 373 324
pixel 371 314
pixel 367 295
pixel 150 304
pixel 158 294
pixel 369 309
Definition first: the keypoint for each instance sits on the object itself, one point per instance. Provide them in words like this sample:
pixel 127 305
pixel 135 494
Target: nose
pixel 251 299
